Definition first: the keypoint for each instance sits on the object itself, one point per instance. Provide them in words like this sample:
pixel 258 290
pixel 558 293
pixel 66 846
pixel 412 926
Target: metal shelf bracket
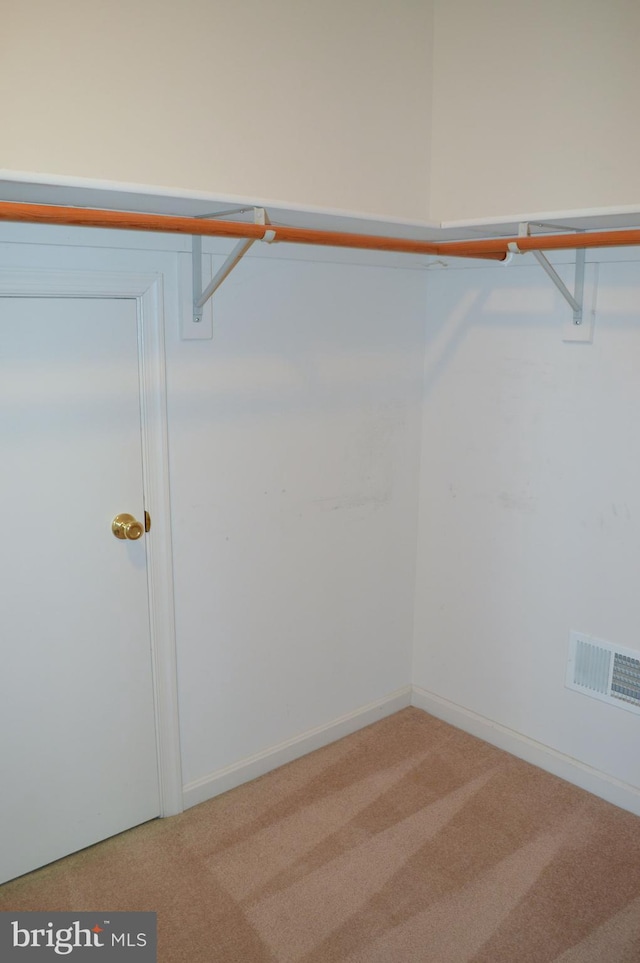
pixel 200 297
pixel 575 300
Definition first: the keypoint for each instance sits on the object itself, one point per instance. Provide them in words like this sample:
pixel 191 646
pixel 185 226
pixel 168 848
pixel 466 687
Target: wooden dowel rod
pixel 163 223
pixel 541 242
pixel 487 248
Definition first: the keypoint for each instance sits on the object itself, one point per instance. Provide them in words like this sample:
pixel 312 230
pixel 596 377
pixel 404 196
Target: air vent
pixel 604 671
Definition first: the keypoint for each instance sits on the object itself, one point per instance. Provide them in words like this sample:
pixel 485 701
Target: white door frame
pixel 147 291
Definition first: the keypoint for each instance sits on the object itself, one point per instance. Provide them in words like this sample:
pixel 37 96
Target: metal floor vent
pixel 604 671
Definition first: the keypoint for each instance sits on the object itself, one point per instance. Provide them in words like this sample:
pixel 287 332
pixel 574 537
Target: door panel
pixel 76 698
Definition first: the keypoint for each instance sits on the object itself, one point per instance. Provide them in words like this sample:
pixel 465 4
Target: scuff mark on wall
pixel 518 502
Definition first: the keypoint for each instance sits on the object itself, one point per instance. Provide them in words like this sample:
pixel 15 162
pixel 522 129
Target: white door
pixel 77 730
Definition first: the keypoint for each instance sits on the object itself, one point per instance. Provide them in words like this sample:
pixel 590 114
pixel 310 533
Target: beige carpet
pixel 408 841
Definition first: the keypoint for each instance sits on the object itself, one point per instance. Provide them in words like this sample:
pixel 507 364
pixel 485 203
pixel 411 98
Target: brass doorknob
pixel 126 526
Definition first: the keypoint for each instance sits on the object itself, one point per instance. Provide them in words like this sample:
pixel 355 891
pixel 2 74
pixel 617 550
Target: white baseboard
pixel 599 783
pixel 224 779
pixel 593 780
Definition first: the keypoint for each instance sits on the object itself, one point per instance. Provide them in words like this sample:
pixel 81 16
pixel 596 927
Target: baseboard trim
pixel 593 780
pixel 250 768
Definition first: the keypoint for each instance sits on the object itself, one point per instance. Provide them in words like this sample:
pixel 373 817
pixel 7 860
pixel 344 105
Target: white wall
pixel 294 465
pixel 319 104
pixel 420 109
pixel 530 507
pixel 535 106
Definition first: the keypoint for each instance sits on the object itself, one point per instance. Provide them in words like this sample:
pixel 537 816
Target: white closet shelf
pixel 26 187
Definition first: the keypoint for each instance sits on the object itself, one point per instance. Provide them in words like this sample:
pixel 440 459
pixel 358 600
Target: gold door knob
pixel 126 526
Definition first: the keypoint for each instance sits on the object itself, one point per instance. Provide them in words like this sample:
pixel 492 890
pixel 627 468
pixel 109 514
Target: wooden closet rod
pixel 540 242
pixel 166 223
pixel 490 248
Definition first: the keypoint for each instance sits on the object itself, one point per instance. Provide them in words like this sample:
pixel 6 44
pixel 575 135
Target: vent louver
pixel 604 671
